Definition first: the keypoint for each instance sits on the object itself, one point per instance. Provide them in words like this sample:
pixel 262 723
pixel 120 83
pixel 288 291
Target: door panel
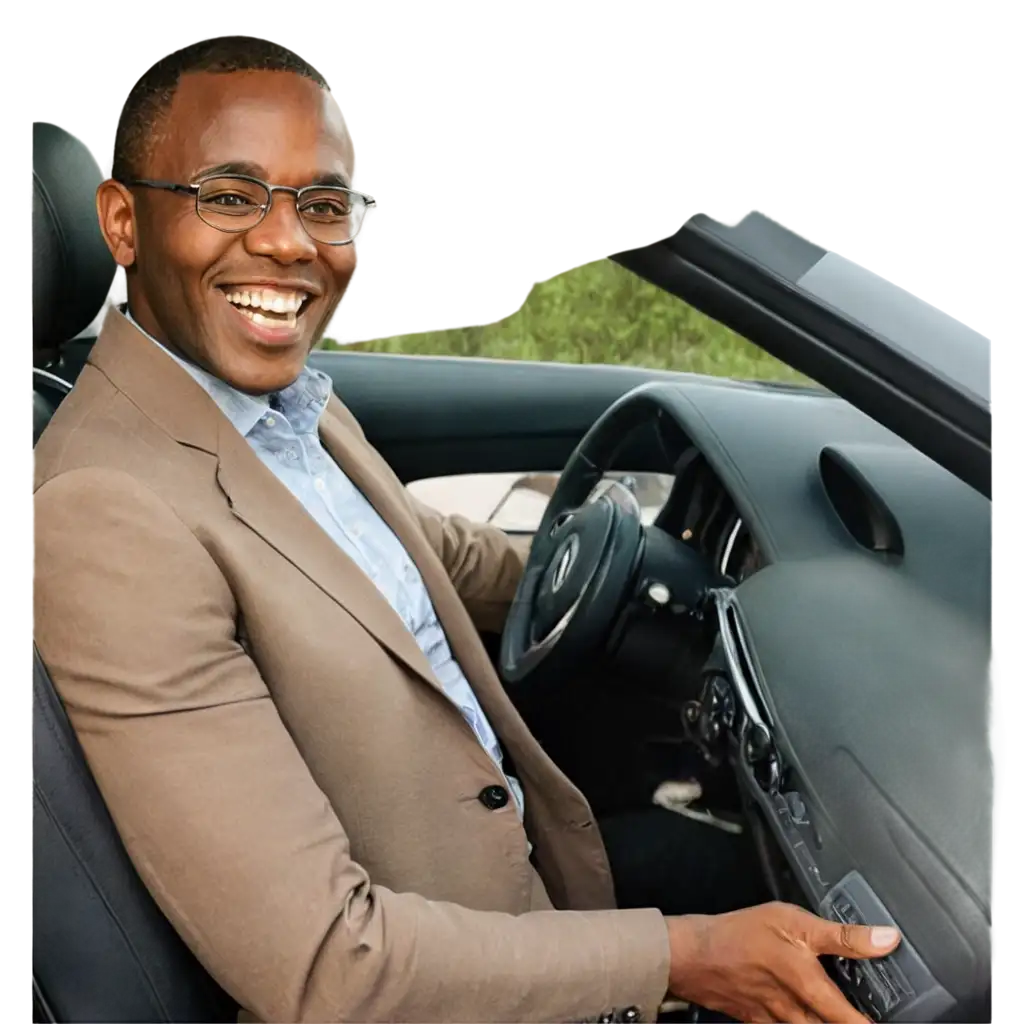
pixel 516 502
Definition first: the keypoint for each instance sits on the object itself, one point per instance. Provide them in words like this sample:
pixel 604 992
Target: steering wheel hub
pixel 587 558
pixel 577 549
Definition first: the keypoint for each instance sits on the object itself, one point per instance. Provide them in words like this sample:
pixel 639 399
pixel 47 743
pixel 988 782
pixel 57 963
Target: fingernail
pixel 883 938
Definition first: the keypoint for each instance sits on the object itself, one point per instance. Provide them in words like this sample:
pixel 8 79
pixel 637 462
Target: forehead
pixel 275 120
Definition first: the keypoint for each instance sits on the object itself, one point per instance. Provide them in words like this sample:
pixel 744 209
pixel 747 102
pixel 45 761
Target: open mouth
pixel 269 307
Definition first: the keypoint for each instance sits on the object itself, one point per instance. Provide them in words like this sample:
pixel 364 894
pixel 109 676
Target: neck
pixel 156 334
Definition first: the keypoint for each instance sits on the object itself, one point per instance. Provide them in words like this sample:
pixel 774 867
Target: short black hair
pixel 152 94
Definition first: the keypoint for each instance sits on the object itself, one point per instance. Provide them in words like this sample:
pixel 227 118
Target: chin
pixel 263 380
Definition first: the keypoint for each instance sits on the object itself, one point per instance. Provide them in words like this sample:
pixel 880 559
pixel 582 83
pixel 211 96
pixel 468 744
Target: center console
pixel 731 720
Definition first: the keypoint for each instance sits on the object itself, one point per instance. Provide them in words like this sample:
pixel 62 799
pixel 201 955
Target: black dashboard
pixel 849 681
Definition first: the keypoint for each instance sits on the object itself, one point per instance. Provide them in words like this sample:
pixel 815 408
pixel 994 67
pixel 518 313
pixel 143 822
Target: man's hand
pixel 762 964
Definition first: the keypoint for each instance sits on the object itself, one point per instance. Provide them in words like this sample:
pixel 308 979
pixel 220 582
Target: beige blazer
pixel 288 777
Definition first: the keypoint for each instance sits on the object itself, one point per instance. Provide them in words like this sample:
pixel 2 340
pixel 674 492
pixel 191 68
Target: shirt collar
pixel 302 403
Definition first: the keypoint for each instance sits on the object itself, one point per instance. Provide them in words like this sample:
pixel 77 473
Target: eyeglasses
pixel 235 202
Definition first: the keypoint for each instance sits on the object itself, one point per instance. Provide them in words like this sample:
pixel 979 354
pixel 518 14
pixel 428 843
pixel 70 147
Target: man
pixel 269 650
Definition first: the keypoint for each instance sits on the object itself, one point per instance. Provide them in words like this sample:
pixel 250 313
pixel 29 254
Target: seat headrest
pixel 72 269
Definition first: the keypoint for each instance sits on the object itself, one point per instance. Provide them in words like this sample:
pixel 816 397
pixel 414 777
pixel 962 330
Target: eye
pixel 230 199
pixel 326 206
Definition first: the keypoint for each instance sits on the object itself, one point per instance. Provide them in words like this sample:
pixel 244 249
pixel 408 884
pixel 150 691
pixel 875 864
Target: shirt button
pixel 493 797
pixel 319 483
pixel 270 421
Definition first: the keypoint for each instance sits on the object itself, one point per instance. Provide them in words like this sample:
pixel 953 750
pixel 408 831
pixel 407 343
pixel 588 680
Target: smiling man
pixel 247 300
pixel 270 651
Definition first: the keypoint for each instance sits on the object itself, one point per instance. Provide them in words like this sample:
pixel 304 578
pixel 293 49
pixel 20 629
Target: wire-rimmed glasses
pixel 331 214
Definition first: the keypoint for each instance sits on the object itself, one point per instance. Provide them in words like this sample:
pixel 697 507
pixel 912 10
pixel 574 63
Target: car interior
pixel 752 647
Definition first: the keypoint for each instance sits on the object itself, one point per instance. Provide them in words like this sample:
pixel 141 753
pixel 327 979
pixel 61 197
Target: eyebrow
pixel 233 167
pixel 331 178
pixel 256 171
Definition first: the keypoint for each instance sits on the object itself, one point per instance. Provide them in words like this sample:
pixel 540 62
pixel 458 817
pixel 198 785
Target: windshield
pixel 941 281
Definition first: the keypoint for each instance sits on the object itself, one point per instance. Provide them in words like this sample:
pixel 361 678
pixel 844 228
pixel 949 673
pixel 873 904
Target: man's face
pixel 273 125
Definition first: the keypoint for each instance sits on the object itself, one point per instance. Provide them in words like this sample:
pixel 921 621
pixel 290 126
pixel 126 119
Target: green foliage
pixel 600 313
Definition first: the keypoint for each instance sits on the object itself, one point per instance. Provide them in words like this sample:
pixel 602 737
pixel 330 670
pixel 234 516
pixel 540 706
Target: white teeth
pixel 271 300
pixel 289 321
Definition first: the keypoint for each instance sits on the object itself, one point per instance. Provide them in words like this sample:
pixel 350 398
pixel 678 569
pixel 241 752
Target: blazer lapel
pixel 265 506
pixel 153 381
pixel 169 396
pixel 258 499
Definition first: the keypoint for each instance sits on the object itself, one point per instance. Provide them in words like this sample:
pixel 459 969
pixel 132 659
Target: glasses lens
pixel 231 204
pixel 332 215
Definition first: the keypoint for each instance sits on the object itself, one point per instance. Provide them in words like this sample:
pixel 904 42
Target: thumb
pixel 856 942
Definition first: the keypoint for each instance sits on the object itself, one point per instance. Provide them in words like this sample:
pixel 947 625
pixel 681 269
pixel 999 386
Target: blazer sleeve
pixel 484 563
pixel 227 827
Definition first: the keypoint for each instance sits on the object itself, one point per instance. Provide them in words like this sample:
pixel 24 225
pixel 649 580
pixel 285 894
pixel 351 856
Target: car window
pixel 600 313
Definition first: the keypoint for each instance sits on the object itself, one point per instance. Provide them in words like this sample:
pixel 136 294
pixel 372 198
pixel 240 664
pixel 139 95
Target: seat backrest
pixel 72 269
pixel 101 948
pixel 47 392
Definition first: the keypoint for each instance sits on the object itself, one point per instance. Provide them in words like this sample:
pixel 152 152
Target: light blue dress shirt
pixel 283 431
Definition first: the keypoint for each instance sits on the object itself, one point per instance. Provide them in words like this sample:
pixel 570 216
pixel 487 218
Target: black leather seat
pixel 47 391
pixel 101 948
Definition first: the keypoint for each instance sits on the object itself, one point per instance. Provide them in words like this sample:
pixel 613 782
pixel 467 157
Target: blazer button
pixel 493 797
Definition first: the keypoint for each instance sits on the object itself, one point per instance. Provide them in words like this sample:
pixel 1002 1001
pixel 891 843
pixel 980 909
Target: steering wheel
pixel 591 560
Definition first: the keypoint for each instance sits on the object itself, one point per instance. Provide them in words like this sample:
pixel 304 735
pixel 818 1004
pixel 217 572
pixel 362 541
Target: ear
pixel 115 206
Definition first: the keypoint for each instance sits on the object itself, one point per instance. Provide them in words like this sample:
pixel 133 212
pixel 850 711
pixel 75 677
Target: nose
pixel 280 235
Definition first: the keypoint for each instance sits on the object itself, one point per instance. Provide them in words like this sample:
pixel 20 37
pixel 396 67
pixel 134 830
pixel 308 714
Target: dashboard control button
pixel 897 987
pixel 757 745
pixel 797 808
pixel 658 594
pixel 759 752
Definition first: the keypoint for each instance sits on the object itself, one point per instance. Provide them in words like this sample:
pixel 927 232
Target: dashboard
pixel 848 684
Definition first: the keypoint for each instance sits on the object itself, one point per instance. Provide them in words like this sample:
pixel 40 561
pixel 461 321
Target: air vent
pixel 737 655
pixel 858 505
